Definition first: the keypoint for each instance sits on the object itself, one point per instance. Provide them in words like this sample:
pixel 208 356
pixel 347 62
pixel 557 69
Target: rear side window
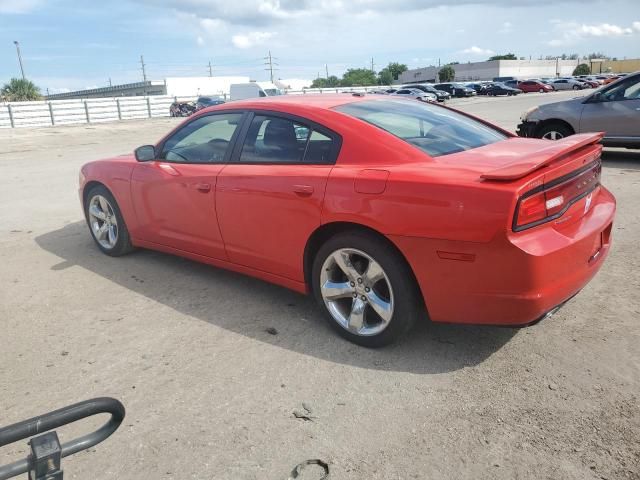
pixel 434 130
pixel 272 139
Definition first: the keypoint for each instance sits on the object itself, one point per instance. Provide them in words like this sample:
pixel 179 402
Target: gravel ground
pixel 211 394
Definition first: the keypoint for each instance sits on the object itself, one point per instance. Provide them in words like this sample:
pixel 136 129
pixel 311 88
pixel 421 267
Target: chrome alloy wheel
pixel 357 292
pixel 103 222
pixel 553 135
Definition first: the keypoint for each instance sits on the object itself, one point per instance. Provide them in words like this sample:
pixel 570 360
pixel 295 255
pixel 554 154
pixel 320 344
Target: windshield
pixel 271 91
pixel 434 130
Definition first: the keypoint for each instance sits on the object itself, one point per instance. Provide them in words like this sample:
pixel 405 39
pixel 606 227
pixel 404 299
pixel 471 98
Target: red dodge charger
pixel 383 208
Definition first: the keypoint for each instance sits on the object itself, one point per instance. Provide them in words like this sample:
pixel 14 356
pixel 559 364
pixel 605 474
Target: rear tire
pixel 106 222
pixel 366 289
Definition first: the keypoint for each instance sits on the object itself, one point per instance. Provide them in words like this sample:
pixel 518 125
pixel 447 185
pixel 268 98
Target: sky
pixel 70 45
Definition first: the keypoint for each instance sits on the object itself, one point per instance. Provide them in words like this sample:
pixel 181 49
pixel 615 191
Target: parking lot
pixel 211 391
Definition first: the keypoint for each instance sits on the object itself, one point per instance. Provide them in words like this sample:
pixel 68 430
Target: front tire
pixel 366 289
pixel 106 222
pixel 554 131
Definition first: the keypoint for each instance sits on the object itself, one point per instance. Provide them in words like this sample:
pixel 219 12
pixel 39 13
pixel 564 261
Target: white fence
pixel 92 110
pixel 96 110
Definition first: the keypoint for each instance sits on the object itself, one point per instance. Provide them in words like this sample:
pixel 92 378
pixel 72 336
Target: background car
pixel 204 102
pixel 497 88
pixel 528 86
pixel 358 199
pixel 416 94
pixel 455 89
pixel 566 84
pixel 181 109
pixel 440 94
pixel 613 109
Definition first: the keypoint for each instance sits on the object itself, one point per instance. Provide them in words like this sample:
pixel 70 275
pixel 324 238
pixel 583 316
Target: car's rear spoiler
pixel 549 154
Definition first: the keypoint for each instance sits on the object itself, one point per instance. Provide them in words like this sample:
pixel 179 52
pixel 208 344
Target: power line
pixel 270 62
pixel 144 73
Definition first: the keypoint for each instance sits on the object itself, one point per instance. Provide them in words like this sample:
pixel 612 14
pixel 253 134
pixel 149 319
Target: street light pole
pixel 19 58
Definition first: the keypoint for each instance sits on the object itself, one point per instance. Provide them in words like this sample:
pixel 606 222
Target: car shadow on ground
pixel 250 307
pixel 619 158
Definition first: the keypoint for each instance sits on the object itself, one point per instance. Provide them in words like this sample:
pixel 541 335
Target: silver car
pixel 417 94
pixel 613 109
pixel 567 84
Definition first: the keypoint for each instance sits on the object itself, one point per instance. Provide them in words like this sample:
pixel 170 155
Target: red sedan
pixel 528 86
pixel 385 209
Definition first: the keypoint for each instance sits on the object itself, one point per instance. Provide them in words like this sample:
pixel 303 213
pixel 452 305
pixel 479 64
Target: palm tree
pixel 20 90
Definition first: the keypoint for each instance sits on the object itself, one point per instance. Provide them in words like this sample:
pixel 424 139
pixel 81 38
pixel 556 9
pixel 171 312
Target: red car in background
pixel 385 209
pixel 528 86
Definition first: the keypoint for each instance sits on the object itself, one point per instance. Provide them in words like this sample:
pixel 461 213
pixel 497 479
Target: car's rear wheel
pixel 554 131
pixel 366 289
pixel 106 222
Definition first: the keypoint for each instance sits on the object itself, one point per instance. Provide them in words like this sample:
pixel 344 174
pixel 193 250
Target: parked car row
pixel 184 109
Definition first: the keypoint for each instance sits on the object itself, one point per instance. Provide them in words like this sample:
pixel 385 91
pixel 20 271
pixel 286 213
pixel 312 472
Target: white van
pixel 241 91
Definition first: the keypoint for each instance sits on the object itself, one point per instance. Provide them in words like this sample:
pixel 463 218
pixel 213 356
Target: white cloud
pixel 19 6
pixel 507 27
pixel 573 32
pixel 251 39
pixel 200 40
pixel 477 51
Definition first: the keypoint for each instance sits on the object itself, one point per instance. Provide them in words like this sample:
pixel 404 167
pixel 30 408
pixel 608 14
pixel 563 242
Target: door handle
pixel 303 190
pixel 203 187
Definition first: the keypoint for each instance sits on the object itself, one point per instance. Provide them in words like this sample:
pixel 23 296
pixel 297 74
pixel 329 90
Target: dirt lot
pixel 210 394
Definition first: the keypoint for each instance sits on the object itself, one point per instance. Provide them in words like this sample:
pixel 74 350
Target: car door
pixel 269 197
pixel 615 110
pixel 561 85
pixel 174 195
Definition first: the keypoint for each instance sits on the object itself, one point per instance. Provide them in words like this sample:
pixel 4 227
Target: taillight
pixel 550 201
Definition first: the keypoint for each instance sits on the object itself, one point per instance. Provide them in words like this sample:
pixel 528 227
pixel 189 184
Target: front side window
pixel 273 139
pixel 205 140
pixel 626 90
pixel 434 130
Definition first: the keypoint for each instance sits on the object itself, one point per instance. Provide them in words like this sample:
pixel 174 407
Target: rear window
pixel 434 130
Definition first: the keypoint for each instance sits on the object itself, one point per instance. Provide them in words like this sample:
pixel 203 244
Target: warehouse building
pixel 521 69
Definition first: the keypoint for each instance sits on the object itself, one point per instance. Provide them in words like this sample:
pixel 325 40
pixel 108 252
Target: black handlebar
pixel 57 418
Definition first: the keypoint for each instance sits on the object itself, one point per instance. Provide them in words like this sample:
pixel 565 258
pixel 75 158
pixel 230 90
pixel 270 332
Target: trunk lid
pixel 518 157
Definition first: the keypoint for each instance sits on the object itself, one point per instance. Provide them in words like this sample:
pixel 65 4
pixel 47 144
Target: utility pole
pixel 210 69
pixel 371 64
pixel 270 62
pixel 19 58
pixel 326 71
pixel 110 82
pixel 144 72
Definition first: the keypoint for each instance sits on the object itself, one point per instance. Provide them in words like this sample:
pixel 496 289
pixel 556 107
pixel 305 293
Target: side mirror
pixel 595 98
pixel 145 153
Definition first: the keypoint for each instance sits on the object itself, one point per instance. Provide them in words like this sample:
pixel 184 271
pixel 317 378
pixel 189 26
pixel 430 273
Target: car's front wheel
pixel 366 289
pixel 554 131
pixel 106 222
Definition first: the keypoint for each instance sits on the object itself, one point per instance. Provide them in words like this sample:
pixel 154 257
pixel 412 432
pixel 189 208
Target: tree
pixel 593 55
pixel 358 76
pixel 330 82
pixel 582 69
pixel 508 56
pixel 20 90
pixel 447 74
pixel 391 72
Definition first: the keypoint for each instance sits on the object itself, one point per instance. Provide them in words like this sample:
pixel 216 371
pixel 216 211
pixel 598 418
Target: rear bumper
pixel 515 279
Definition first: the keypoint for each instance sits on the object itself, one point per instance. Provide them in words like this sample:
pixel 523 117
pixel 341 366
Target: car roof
pixel 293 103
